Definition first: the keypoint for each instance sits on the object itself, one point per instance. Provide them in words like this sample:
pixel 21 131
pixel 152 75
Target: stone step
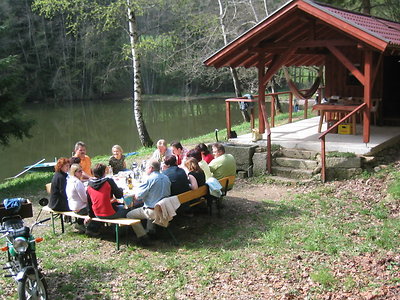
pixel 296 163
pixel 292 173
pixel 299 153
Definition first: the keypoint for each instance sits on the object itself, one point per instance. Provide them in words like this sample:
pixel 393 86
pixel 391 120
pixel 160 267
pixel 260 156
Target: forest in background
pixel 50 61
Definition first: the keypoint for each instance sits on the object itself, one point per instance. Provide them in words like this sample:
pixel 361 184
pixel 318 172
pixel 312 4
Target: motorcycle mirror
pixel 43 201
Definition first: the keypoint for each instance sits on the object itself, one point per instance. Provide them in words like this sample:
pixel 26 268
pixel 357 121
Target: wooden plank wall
pixel 338 80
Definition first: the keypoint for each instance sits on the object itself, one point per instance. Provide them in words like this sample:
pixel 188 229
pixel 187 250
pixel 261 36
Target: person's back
pixel 179 180
pixel 177 176
pixel 156 187
pixel 223 166
pixel 99 193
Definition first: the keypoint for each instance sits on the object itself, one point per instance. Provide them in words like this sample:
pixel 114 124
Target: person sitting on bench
pixel 223 165
pixel 101 203
pixel 156 187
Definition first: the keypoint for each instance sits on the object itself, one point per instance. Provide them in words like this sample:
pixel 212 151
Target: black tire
pixel 30 289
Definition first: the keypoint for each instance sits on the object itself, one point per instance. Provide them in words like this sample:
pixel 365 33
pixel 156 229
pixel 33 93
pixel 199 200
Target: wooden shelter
pixel 361 54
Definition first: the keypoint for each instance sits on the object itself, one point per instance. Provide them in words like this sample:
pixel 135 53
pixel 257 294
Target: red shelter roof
pixel 307 27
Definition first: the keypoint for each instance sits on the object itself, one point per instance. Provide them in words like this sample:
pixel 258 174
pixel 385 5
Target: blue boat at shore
pixel 42 167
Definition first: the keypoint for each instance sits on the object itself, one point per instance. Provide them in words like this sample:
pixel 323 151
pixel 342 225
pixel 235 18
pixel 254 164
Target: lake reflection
pixel 101 124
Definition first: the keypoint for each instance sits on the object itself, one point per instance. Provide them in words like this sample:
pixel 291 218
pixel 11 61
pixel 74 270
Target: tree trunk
pixel 137 84
pixel 266 8
pixel 238 93
pixel 366 7
pixel 235 77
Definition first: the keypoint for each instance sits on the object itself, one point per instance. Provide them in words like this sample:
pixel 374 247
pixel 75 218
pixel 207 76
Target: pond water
pixel 101 124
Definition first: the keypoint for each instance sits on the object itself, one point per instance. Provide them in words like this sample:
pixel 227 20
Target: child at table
pixel 117 160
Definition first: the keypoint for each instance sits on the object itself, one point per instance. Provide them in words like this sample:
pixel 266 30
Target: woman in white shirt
pixel 76 194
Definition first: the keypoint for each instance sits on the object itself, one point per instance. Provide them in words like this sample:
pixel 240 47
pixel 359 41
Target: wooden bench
pixel 118 222
pixel 201 194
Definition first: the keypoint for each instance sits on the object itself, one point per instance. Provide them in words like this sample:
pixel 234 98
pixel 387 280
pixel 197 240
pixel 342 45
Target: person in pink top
pixel 205 153
pixel 179 152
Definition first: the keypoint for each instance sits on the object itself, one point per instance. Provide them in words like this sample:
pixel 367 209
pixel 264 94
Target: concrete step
pixel 292 173
pixel 299 153
pixel 296 163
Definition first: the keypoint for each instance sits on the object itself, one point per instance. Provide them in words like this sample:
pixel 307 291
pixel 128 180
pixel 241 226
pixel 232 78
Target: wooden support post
pixel 367 94
pixel 261 96
pixel 273 111
pixel 228 118
pixel 323 160
pixel 252 118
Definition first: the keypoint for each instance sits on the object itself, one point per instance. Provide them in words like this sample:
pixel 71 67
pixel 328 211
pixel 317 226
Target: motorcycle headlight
pixel 20 245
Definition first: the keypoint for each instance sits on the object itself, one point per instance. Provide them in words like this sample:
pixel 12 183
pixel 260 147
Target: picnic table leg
pixel 126 236
pixel 218 203
pixel 52 223
pixel 117 235
pixel 172 236
pixel 62 223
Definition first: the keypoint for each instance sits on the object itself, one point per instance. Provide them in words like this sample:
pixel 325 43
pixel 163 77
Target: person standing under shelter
pixel 86 163
pixel 223 164
pixel 156 187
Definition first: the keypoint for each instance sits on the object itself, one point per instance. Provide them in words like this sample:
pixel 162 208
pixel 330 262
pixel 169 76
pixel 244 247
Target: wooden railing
pixel 330 129
pixel 273 97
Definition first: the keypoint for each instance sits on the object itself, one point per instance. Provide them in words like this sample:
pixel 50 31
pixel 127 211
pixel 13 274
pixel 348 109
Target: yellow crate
pixel 344 129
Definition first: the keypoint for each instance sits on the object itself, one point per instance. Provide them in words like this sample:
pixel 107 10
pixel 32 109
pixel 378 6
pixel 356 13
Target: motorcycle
pixel 21 249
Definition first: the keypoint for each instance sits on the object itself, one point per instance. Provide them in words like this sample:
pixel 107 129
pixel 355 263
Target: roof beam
pixel 308 44
pixel 233 61
pixel 277 63
pixel 347 63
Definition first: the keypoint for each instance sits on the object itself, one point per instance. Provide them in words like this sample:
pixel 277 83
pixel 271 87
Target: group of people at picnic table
pixel 92 192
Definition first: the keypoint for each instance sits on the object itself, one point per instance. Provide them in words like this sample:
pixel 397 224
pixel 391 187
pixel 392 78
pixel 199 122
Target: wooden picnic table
pixel 335 108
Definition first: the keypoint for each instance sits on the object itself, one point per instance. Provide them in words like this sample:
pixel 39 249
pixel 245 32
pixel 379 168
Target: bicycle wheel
pixel 31 289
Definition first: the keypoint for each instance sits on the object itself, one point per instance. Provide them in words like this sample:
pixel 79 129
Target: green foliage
pixel 12 123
